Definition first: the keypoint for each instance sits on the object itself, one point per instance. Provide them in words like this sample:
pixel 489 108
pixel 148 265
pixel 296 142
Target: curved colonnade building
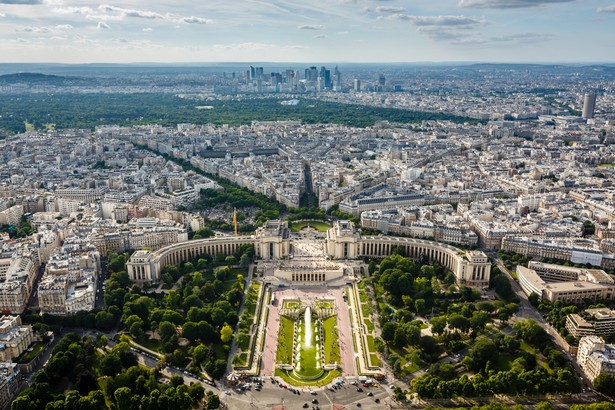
pixel 272 242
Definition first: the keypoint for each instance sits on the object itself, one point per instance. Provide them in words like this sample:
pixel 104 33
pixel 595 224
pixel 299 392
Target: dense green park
pixel 493 356
pixel 90 110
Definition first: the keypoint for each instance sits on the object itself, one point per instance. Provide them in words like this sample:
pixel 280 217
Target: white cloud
pixel 30 2
pixel 147 29
pixel 506 4
pixel 73 10
pixel 607 9
pixel 509 39
pixel 46 29
pixel 103 26
pixel 144 14
pixel 249 46
pixel 438 21
pixel 386 9
pixel 342 33
pixel 2 15
pixel 320 36
pixel 194 20
pixel 309 27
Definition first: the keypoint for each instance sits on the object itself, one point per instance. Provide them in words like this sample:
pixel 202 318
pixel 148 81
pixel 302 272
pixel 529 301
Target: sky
pixel 376 31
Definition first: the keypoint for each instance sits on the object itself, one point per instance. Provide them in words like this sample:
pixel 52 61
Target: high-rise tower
pixel 589 105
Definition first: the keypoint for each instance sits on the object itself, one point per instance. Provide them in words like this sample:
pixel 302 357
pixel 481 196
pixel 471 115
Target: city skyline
pixel 59 31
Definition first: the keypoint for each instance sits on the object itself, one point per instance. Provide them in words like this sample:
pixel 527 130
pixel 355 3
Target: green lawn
pixel 371 343
pixel 285 341
pixel 240 360
pixel 375 361
pixel 366 309
pixel 151 344
pixel 320 226
pixel 332 345
pixel 369 325
pixel 291 304
pixel 251 297
pixel 27 356
pixel 228 284
pixel 504 362
pixel 326 379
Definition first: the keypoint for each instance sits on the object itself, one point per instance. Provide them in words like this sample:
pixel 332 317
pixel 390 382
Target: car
pixel 353 383
pixel 370 394
pixel 377 400
pixel 312 392
pixel 305 405
pixel 358 404
pixel 359 389
pixel 314 401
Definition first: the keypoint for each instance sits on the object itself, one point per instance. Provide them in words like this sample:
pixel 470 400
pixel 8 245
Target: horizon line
pixel 447 62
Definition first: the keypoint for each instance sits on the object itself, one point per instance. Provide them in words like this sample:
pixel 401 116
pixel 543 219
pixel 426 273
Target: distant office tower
pixel 325 75
pixel 311 74
pixel 290 76
pixel 381 80
pixel 337 79
pixel 357 84
pixel 589 104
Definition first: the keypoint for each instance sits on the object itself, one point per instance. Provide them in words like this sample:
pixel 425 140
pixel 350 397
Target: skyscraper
pixel 337 79
pixel 357 84
pixel 381 80
pixel 326 77
pixel 589 104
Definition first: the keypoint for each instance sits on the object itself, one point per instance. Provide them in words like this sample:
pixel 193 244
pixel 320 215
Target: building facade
pixel 595 357
pixel 14 337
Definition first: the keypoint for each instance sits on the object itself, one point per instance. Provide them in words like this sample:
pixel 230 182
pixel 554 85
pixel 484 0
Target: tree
pixel 167 278
pixel 604 384
pixel 438 325
pixel 483 351
pixel 388 332
pixel 372 266
pixel 199 353
pixel 110 365
pixel 226 334
pixel 419 306
pixel 459 322
pixel 544 405
pixel 123 397
pixel 104 321
pixel 533 298
pixel 166 330
pixel 244 261
pixel 413 334
pixel 213 401
pixel 196 393
pixel 400 339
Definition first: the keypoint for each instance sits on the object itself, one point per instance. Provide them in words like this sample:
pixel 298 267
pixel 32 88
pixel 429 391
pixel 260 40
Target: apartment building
pixel 594 356
pixel 14 337
pixel 16 282
pixel 9 382
pixel 602 323
pixel 69 283
pixel 568 284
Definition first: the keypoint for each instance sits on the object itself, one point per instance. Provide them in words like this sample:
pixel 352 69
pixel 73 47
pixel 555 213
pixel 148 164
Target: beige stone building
pixel 14 338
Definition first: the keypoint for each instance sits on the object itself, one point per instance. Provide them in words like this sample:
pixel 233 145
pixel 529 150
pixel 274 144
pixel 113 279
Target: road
pixel 99 303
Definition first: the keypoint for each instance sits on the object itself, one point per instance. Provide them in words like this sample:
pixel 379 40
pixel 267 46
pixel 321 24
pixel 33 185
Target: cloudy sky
pixel 83 31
